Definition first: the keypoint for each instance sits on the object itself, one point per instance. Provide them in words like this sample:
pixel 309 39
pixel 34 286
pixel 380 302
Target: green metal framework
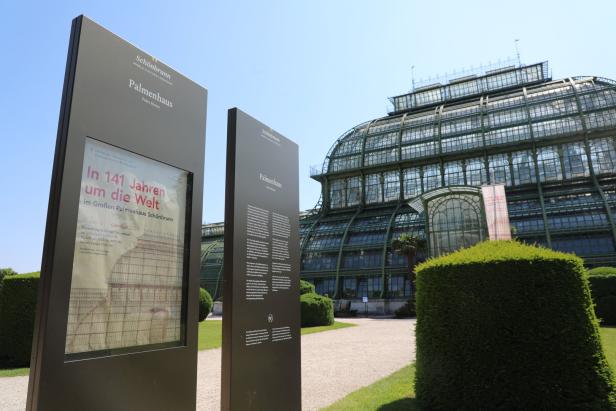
pixel 552 143
pixel 212 248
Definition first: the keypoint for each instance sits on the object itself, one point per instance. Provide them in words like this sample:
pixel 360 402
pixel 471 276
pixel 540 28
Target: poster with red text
pixel 128 267
pixel 497 215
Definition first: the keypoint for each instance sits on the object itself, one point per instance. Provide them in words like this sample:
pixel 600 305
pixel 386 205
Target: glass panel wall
pixel 416 134
pixel 576 221
pixel 476 172
pixel 391 183
pixel 559 126
pixel 461 143
pixel 366 238
pixel 454 173
pixel 345 163
pixel 523 167
pixel 374 189
pixel 399 286
pixel 389 155
pixel 324 241
pixel 319 261
pixel 553 108
pixel 548 161
pixel 419 150
pixel 336 193
pixel 601 119
pixel 412 182
pixel 575 160
pixel 499 169
pixel 362 258
pixel 584 244
pixel 349 287
pixel 325 286
pixel 374 287
pixel 381 141
pixel 349 146
pixel 431 177
pixel 507 135
pixel 354 189
pixel 603 155
pixel 506 117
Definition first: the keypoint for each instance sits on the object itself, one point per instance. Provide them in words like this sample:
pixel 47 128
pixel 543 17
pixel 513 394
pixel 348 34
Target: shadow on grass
pixel 405 404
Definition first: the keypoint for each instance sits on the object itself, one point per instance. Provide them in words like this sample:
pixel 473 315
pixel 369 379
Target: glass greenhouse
pixel 419 170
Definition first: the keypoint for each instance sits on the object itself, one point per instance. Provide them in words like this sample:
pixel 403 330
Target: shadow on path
pixel 405 404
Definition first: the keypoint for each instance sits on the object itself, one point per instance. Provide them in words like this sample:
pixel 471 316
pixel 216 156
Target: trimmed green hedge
pixel 17 310
pixel 205 304
pixel 306 288
pixel 5 272
pixel 316 310
pixel 407 310
pixel 602 271
pixel 603 289
pixel 503 325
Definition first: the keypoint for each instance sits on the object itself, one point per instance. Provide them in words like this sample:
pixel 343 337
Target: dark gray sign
pixel 261 367
pixel 116 324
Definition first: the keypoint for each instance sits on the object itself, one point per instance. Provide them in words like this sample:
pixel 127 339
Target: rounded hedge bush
pixel 603 290
pixel 5 272
pixel 606 310
pixel 316 310
pixel 18 298
pixel 407 310
pixel 503 325
pixel 305 287
pixel 205 304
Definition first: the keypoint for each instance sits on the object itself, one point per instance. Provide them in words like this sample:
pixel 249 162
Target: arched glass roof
pixel 536 112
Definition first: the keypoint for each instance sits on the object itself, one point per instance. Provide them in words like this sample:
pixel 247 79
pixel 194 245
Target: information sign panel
pixel 116 322
pixel 261 311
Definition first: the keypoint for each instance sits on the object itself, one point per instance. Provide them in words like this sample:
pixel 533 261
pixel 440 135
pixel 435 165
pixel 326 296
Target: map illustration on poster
pixel 128 268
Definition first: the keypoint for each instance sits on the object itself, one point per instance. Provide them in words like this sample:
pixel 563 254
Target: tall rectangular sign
pixel 497 215
pixel 116 323
pixel 261 367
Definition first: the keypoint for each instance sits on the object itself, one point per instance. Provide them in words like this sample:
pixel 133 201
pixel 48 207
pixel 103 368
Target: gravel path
pixel 334 363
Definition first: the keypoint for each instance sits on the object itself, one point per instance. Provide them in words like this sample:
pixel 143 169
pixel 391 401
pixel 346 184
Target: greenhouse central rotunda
pixel 420 170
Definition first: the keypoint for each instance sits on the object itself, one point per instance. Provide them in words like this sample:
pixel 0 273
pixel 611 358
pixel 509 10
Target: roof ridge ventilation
pixel 500 70
pixel 427 87
pixel 461 79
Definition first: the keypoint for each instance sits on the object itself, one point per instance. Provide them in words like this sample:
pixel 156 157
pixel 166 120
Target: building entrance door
pixel 455 221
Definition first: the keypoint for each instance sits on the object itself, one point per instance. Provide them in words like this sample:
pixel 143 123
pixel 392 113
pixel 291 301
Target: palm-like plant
pixel 408 246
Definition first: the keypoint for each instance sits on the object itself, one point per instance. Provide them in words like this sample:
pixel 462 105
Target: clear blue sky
pixel 311 70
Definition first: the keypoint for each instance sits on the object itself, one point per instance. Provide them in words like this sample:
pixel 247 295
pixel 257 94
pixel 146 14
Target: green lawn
pixel 14 372
pixel 334 326
pixel 210 332
pixel 210 336
pixel 397 392
pixel 393 393
pixel 608 338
